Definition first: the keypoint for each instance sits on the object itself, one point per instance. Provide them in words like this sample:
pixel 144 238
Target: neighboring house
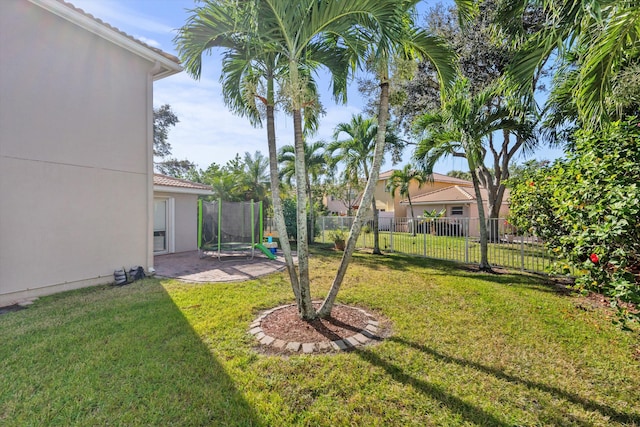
pixel 386 202
pixel 457 202
pixel 76 148
pixel 175 207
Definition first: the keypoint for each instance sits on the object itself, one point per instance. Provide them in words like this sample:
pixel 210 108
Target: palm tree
pixel 382 46
pixel 461 128
pixel 255 179
pixel 603 33
pixel 316 166
pixel 307 35
pixel 355 152
pixel 250 77
pixel 401 180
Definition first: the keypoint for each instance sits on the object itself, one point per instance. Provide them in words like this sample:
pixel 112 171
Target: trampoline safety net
pixel 229 226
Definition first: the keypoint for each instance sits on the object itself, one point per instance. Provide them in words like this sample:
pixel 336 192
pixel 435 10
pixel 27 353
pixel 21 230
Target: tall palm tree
pixel 461 128
pixel 251 77
pixel 400 180
pixel 405 41
pixel 355 152
pixel 316 166
pixel 305 34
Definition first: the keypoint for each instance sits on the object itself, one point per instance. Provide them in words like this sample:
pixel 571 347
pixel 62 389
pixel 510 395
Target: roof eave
pixel 167 66
pixel 181 190
pixel 439 202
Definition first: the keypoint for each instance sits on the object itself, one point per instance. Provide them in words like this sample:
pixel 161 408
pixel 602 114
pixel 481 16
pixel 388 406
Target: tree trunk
pixel 305 308
pixel 367 197
pixel 484 247
pixel 278 212
pixel 376 228
pixel 413 232
pixel 312 214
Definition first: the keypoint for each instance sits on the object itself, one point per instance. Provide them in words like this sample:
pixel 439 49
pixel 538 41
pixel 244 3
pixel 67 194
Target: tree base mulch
pixel 281 330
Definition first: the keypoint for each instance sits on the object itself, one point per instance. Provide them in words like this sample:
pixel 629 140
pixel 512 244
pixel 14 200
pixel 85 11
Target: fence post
pixel 324 230
pixel 522 253
pixel 466 240
pixel 391 227
pixel 424 239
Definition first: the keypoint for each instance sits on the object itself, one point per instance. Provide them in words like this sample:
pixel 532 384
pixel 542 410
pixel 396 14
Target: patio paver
pixel 189 267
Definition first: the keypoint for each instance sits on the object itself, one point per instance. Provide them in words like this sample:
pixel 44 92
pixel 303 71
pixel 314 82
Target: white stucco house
pixel 76 148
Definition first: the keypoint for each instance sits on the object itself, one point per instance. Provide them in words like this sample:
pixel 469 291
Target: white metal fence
pixel 453 239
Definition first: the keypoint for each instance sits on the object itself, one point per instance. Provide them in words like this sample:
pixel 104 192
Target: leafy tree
pixel 519 173
pixel 346 191
pixel 459 175
pixel 163 120
pixel 586 209
pixel 401 180
pixel 316 166
pixel 463 127
pixel 483 59
pixel 176 168
pixel 601 36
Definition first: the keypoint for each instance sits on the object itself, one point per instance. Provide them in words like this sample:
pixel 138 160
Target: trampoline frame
pixel 221 246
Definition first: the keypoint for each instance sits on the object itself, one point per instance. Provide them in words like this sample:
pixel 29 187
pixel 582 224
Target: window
pixel 457 210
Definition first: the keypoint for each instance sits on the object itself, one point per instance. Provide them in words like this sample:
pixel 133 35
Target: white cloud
pixel 148 41
pixel 117 14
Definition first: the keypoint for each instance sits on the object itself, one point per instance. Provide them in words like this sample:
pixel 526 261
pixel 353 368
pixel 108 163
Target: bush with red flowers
pixel 586 208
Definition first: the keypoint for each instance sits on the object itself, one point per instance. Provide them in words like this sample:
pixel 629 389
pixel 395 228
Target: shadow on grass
pixel 402 262
pixel 614 415
pixel 454 404
pixel 121 356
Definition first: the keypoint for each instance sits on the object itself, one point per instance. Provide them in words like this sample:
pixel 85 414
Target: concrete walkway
pixel 188 266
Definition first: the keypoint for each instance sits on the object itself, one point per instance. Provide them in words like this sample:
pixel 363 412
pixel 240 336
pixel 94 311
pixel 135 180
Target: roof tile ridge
pixel 119 31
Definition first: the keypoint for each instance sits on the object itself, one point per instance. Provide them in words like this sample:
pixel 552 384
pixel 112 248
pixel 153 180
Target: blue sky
pixel 207 131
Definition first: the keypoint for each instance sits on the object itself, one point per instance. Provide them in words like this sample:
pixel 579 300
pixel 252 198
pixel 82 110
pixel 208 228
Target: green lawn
pixel 528 256
pixel 466 349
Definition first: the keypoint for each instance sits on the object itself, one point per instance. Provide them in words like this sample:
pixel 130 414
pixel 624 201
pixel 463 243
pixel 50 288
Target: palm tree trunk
pixel 278 211
pixel 305 308
pixel 312 214
pixel 484 247
pixel 374 211
pixel 415 226
pixel 356 227
pixel 376 231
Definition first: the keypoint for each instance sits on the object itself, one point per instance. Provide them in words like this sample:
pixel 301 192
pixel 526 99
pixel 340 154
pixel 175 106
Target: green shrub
pixel 586 208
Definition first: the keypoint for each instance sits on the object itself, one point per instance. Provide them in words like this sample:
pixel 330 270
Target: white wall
pixel 185 220
pixel 74 155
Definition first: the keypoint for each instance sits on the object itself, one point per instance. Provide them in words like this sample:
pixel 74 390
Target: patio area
pixel 189 267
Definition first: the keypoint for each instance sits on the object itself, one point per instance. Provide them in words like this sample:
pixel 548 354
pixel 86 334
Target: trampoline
pixel 227 227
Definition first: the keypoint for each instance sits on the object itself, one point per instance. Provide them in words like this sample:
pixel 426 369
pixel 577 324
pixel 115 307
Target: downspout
pixel 149 232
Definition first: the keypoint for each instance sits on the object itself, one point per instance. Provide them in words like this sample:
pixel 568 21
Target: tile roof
pixel 168 181
pixel 112 28
pixel 437 177
pixel 452 194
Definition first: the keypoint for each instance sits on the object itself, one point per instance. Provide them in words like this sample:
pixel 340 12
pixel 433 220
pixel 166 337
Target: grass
pixel 466 349
pixel 528 256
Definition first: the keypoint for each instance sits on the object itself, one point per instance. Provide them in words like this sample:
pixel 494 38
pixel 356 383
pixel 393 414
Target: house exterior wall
pixel 185 220
pixel 469 210
pixel 393 203
pixel 74 155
